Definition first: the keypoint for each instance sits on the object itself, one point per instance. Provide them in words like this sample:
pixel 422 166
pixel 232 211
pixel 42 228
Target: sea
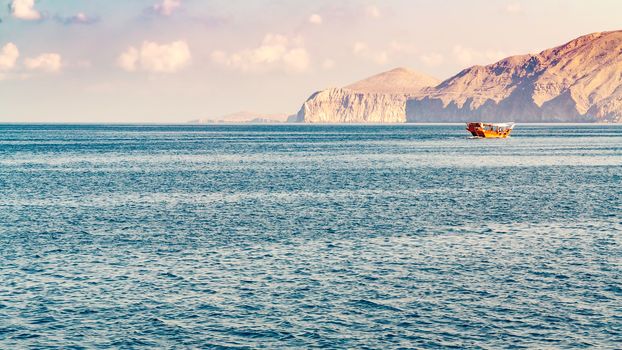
pixel 310 236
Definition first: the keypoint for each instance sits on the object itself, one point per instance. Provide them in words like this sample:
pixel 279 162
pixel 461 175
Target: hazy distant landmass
pixel 580 81
pixel 244 117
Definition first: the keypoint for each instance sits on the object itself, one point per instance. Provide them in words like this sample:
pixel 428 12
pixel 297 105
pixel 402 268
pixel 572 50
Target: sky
pixel 171 61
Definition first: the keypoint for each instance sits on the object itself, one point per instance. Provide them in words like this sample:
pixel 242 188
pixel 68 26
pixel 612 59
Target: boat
pixel 490 130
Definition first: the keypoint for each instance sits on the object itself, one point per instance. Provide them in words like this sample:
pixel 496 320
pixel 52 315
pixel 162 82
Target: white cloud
pixel 315 19
pixel 275 52
pixel 47 62
pixel 372 11
pixel 167 7
pixel 432 59
pixel 24 9
pixel 8 57
pixel 513 8
pixel 129 59
pixel 361 49
pixel 466 56
pixel 154 57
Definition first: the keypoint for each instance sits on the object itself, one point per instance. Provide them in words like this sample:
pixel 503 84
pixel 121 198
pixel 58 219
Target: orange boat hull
pixel 490 131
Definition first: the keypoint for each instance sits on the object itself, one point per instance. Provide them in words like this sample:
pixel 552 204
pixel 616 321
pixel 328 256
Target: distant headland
pixel 245 117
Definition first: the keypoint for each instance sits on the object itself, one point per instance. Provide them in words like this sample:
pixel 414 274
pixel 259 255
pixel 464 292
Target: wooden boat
pixel 490 130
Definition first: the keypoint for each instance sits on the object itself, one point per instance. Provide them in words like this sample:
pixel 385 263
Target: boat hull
pixel 490 130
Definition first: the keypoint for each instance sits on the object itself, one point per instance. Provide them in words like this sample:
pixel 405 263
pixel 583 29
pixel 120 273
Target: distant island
pixel 580 81
pixel 245 117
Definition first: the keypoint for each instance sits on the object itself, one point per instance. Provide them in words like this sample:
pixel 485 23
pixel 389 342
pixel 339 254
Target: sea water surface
pixel 308 236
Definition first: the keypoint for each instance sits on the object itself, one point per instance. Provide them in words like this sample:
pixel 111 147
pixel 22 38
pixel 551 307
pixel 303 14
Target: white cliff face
pixel 378 99
pixel 580 81
pixel 347 106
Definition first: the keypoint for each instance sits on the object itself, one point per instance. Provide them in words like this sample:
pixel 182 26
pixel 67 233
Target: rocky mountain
pixel 378 99
pixel 580 81
pixel 396 81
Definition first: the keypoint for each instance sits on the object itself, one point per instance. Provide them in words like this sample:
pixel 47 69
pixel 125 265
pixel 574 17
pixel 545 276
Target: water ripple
pixel 309 236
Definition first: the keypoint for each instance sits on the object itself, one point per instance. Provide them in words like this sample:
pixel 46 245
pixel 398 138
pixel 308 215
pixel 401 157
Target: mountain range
pixel 580 81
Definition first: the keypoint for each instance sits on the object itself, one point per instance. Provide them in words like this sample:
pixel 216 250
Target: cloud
pixel 8 57
pixel 156 58
pixel 24 9
pixel 362 50
pixel 432 59
pixel 129 60
pixel 372 11
pixel 466 56
pixel 276 52
pixel 166 7
pixel 79 18
pixel 47 62
pixel 513 8
pixel 315 19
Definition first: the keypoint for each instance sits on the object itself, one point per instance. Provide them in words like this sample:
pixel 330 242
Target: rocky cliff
pixel 580 81
pixel 378 99
pixel 347 106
